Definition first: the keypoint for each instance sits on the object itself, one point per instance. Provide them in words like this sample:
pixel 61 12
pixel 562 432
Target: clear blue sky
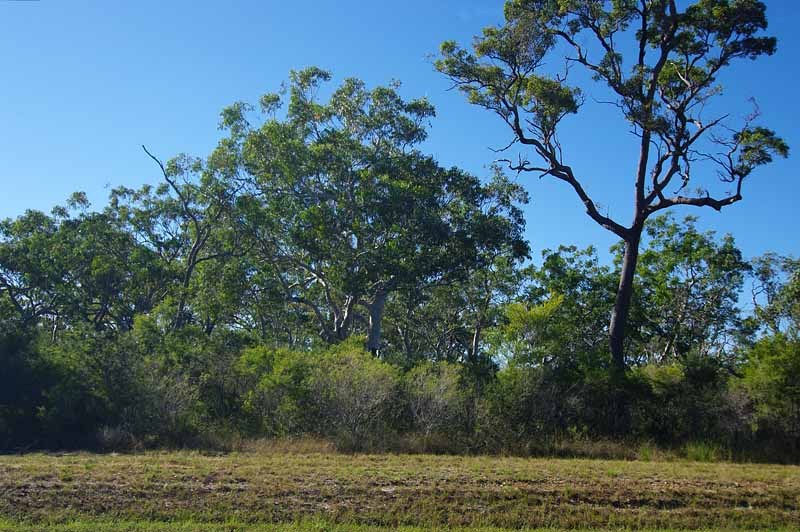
pixel 84 84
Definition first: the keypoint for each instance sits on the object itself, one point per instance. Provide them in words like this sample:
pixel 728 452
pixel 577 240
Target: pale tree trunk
pixel 622 303
pixel 475 348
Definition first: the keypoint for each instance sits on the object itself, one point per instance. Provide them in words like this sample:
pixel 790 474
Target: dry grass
pixel 277 483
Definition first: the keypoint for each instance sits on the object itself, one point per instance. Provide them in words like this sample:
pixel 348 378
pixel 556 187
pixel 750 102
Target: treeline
pixel 318 274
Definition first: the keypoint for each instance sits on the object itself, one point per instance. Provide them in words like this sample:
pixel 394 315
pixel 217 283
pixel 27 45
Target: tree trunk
pixel 375 319
pixel 622 304
pixel 475 348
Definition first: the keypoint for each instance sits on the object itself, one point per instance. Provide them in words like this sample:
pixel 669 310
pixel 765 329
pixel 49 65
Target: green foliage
pixel 81 269
pixel 776 294
pixel 439 400
pixel 529 335
pixel 356 396
pixel 772 377
pixel 561 319
pixel 691 402
pixel 659 63
pixel 24 379
pixel 237 296
pixel 688 297
pixel 347 209
pixel 92 385
pixel 756 147
pixel 528 406
pixel 277 389
pixel 703 452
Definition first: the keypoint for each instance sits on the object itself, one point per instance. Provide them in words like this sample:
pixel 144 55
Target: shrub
pixel 356 396
pixel 704 452
pixel 115 439
pixel 439 403
pixel 689 403
pixel 523 404
pixel 94 381
pixel 772 379
pixel 24 380
pixel 277 390
pixel 167 410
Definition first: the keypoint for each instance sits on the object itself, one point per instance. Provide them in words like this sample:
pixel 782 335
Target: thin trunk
pixel 622 304
pixel 180 313
pixel 343 319
pixel 476 342
pixel 375 319
pixel 403 333
pixel 191 263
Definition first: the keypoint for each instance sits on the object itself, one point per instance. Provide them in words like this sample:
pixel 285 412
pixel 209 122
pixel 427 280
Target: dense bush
pixel 355 396
pixel 693 402
pixel 121 348
pixel 128 391
pixel 24 378
pixel 441 404
pixel 318 274
pixel 772 381
pixel 277 394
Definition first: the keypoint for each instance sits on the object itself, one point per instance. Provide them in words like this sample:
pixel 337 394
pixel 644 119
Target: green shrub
pixel 277 392
pixel 24 379
pixel 524 406
pixel 705 452
pixel 440 404
pixel 168 410
pixel 94 382
pixel 772 379
pixel 691 402
pixel 647 451
pixel 356 396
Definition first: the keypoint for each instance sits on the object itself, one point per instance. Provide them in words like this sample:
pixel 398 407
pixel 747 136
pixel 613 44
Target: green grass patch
pixel 705 452
pixel 273 490
pixel 314 526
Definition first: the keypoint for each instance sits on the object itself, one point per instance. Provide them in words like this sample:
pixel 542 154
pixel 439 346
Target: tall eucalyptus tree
pixel 661 64
pixel 341 203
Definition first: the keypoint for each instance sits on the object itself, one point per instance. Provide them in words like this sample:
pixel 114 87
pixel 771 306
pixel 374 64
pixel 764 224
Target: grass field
pixel 280 490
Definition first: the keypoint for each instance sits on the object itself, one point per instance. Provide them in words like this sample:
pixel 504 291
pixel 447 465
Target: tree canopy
pixel 662 64
pixel 319 273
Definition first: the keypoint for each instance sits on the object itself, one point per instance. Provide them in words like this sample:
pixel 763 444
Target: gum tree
pixel 690 283
pixel 342 204
pixel 661 63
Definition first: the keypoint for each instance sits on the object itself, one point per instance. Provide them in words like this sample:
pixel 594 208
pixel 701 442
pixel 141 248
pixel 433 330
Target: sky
pixel 84 84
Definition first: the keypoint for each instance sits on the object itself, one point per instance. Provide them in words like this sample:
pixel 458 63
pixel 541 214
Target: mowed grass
pixel 280 490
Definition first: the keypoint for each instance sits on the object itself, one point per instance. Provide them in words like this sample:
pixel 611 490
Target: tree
pixel 772 377
pixel 772 371
pixel 71 268
pixel 689 292
pixel 450 321
pixel 339 200
pixel 677 56
pixel 560 319
pixel 776 294
pixel 186 220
